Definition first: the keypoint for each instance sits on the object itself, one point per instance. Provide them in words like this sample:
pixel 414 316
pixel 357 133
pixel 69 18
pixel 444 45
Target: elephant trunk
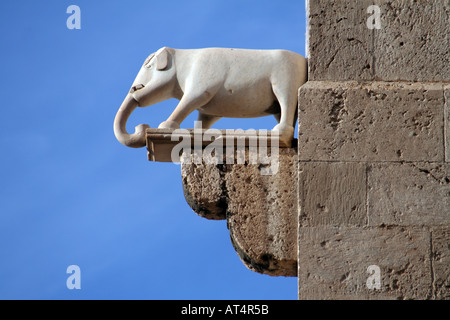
pixel 135 140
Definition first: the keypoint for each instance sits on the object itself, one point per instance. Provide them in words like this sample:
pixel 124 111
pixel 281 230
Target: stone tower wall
pixel 374 151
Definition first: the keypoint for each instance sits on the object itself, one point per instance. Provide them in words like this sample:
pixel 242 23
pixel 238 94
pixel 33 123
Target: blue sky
pixel 72 194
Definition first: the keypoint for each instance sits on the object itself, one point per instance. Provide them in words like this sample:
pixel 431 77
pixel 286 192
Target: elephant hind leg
pixel 288 104
pixel 288 117
pixel 277 117
pixel 205 121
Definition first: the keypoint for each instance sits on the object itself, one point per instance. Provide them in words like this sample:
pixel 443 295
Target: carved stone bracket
pixel 260 208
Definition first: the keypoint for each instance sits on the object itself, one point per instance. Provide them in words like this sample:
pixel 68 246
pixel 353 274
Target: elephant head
pixel 155 82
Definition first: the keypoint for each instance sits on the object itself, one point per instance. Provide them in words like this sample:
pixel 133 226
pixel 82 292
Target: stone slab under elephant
pixel 218 82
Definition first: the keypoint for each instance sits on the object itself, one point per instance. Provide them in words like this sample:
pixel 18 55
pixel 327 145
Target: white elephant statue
pixel 218 82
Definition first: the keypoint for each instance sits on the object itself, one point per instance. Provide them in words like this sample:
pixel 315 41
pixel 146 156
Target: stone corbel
pixel 260 208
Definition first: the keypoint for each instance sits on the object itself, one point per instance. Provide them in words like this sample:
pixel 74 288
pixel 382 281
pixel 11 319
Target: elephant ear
pixel 162 59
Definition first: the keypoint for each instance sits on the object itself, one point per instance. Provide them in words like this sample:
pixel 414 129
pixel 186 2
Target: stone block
pixel 334 262
pixel 166 145
pixel 408 194
pixel 447 122
pixel 440 253
pixel 411 43
pixel 332 193
pixel 378 121
pixel 340 44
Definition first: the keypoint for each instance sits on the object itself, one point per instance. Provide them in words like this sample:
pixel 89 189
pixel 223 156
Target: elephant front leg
pixel 169 125
pixel 184 108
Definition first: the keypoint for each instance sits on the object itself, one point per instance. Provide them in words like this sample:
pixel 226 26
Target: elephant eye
pixel 147 62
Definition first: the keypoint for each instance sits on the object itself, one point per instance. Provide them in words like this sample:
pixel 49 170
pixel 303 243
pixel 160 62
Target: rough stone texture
pixel 340 44
pixel 412 44
pixel 440 247
pixel 379 121
pixel 447 122
pixel 332 194
pixel 374 174
pixel 260 209
pixel 204 191
pixel 408 194
pixel 261 216
pixel 334 261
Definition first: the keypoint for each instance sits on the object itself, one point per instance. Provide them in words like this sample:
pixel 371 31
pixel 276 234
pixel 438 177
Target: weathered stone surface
pixel 411 45
pixel 333 262
pixel 413 42
pixel 261 210
pixel 447 122
pixel 262 216
pixel 440 254
pixel 340 44
pixel 379 121
pixel 374 173
pixel 204 190
pixel 409 194
pixel 332 193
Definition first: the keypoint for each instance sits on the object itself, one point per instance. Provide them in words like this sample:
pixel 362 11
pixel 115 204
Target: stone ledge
pixel 161 142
